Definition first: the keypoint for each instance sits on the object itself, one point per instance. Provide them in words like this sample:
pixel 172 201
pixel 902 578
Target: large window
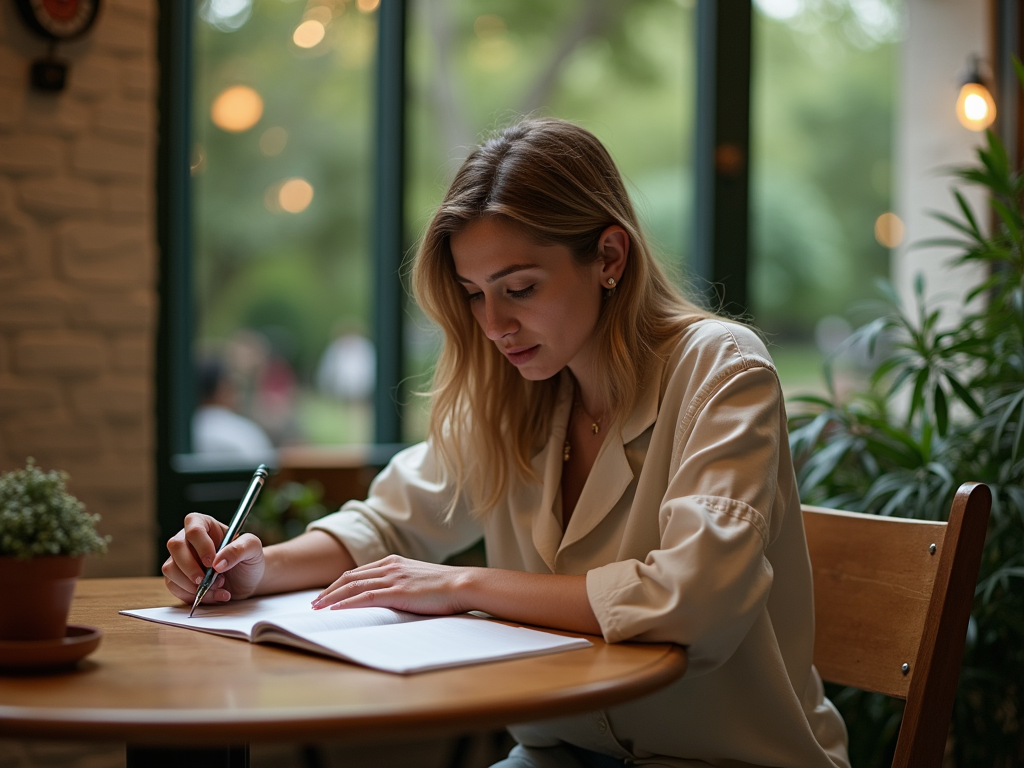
pixel 274 223
pixel 281 182
pixel 823 128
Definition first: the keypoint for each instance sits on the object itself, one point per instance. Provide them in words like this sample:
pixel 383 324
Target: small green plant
pixel 283 512
pixel 39 517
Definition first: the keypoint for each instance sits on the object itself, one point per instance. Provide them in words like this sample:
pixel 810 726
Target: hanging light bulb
pixel 975 107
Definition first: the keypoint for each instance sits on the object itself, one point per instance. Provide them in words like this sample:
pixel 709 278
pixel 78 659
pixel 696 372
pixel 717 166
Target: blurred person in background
pixel 217 427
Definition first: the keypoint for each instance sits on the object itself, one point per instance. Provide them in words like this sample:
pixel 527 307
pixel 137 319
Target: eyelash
pixel 513 294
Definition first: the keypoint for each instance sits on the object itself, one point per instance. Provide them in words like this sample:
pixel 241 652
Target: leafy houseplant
pixel 283 512
pixel 945 405
pixel 45 533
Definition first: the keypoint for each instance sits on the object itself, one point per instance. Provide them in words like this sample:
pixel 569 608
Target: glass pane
pixel 281 182
pixel 823 111
pixel 623 70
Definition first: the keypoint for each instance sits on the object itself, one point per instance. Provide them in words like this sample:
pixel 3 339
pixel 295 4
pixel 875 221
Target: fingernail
pixel 199 579
pixel 207 561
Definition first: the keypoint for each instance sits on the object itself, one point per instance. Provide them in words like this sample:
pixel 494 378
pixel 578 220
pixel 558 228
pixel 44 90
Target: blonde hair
pixel 557 184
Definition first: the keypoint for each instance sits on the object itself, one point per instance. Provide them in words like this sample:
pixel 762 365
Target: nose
pixel 497 323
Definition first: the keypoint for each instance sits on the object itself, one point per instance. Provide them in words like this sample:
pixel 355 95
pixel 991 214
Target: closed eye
pixel 522 294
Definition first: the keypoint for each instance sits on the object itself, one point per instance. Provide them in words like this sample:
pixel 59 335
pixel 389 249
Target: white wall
pixel 941 35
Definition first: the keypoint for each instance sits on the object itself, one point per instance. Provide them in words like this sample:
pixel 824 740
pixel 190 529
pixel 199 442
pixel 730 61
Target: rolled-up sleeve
pixel 706 584
pixel 405 513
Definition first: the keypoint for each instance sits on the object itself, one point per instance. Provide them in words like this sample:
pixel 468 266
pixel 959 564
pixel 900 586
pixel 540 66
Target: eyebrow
pixel 500 273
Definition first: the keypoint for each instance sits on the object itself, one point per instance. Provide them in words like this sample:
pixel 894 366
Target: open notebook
pixel 393 641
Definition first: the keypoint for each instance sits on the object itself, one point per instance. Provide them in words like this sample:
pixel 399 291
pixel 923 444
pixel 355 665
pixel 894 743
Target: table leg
pixel 177 757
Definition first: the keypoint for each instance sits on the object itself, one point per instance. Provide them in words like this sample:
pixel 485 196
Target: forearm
pixel 546 600
pixel 310 560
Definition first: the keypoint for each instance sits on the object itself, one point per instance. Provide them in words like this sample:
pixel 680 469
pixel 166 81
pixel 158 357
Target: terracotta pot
pixel 36 596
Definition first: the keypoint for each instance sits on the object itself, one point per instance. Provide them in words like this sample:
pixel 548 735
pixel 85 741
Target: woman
pixel 623 453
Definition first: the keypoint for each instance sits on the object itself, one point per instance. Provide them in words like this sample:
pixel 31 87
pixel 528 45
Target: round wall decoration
pixel 58 19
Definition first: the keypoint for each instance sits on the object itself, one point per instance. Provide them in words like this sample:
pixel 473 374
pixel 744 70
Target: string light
pixel 975 107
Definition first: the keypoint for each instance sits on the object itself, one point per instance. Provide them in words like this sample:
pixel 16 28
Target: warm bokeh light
pixel 273 141
pixel 236 109
pixel 889 230
pixel 309 33
pixel 367 6
pixel 975 108
pixel 295 195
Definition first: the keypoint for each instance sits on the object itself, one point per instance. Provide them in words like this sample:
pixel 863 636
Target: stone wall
pixel 78 262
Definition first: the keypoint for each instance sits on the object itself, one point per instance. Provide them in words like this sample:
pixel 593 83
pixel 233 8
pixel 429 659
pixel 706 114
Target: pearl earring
pixel 611 282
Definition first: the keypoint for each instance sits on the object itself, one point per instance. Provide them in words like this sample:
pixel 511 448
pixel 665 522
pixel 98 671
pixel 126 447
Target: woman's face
pixel 537 305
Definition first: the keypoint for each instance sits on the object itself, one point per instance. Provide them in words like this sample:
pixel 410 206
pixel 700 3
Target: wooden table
pixel 150 684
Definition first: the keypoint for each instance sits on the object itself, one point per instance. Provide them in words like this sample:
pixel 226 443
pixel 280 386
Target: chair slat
pixel 873 579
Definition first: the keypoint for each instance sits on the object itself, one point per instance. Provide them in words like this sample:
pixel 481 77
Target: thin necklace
pixel 595 427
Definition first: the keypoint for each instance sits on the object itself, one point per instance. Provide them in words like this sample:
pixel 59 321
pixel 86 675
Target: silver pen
pixel 233 530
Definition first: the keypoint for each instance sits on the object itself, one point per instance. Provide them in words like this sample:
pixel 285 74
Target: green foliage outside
pixel 821 167
pixel 39 517
pixel 945 406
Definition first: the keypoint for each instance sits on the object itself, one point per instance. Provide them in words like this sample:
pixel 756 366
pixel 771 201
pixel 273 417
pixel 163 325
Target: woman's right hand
pixel 240 565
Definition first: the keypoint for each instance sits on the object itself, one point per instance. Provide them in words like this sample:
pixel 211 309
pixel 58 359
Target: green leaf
pixel 1019 68
pixel 1018 442
pixel 968 213
pixel 941 410
pixel 955 224
pixel 824 463
pixel 965 397
pixel 1008 218
pixel 917 398
pixel 811 400
pixel 1015 402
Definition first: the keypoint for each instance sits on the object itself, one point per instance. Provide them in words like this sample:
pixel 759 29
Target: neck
pixel 588 395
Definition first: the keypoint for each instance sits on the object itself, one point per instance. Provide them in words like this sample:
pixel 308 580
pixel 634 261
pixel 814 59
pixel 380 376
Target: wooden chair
pixel 892 598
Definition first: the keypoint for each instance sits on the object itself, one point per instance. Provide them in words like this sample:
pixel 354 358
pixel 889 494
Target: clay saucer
pixel 45 655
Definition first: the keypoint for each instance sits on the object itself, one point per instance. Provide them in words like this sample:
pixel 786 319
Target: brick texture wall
pixel 78 270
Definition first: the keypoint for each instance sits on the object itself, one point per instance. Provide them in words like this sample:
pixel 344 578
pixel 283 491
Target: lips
pixel 520 355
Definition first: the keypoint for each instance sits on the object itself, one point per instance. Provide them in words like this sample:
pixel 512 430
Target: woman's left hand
pixel 399 583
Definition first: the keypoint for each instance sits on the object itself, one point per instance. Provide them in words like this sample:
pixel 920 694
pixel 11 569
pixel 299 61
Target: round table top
pixel 149 683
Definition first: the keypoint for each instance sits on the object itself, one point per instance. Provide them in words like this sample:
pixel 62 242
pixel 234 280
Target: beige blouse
pixel 688 530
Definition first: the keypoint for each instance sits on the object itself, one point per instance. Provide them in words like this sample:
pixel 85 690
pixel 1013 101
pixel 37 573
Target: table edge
pixel 198 726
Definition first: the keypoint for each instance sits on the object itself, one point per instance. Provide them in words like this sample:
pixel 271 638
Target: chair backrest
pixel 892 598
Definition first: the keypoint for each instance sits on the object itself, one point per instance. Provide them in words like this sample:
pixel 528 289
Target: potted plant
pixel 945 405
pixel 45 534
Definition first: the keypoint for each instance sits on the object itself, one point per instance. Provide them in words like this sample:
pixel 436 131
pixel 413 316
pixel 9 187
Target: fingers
pixel 187 594
pixel 246 548
pixel 204 534
pixel 357 591
pixel 192 550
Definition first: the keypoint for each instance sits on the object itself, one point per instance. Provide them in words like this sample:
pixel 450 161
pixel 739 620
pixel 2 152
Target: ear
pixel 613 247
